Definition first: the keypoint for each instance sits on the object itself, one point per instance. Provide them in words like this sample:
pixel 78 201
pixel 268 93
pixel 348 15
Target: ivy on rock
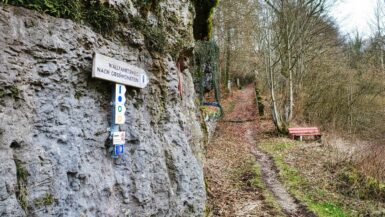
pixel 206 76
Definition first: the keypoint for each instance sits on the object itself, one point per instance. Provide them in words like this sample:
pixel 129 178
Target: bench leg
pixel 300 138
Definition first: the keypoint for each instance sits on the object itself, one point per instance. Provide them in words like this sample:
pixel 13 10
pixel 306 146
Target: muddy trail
pixel 230 157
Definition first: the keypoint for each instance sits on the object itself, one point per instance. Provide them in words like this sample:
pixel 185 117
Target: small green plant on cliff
pixel 2 93
pixel 15 92
pixel 147 5
pixel 21 188
pixel 101 17
pixel 155 39
pixel 155 36
pixel 47 200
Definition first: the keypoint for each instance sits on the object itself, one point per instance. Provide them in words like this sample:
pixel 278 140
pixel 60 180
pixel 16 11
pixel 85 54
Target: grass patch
pixel 320 201
pixel 257 177
pixel 327 209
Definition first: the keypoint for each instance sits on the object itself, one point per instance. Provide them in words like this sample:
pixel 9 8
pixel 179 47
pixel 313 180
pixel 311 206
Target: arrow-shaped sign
pixel 119 72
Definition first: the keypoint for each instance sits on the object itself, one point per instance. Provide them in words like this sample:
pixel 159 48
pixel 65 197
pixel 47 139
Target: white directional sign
pixel 120 100
pixel 117 71
pixel 118 138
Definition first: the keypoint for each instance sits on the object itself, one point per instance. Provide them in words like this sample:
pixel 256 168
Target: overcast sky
pixel 352 15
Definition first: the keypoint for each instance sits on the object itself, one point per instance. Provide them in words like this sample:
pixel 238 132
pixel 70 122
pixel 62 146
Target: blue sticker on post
pixel 120 101
pixel 119 149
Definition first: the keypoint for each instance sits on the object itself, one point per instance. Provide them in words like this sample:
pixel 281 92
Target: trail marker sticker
pixel 120 100
pixel 118 138
pixel 118 149
pixel 110 69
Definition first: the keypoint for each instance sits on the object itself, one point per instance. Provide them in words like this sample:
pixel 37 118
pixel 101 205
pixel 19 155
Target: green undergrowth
pixel 318 200
pixel 102 17
pixel 353 183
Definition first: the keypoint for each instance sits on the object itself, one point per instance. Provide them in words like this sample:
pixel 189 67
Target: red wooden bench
pixel 300 132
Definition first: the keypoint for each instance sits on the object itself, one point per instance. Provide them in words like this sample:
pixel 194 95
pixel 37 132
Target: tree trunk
pixel 382 60
pixel 228 56
pixel 274 108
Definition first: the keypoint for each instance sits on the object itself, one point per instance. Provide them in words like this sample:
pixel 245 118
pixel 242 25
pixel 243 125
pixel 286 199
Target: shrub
pixel 352 182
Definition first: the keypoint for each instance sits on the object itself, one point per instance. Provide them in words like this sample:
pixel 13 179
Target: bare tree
pixel 294 24
pixel 234 30
pixel 379 27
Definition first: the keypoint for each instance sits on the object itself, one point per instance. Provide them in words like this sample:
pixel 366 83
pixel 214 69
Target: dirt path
pixel 230 159
pixel 271 178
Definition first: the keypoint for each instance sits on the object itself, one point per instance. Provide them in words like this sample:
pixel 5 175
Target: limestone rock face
pixel 54 119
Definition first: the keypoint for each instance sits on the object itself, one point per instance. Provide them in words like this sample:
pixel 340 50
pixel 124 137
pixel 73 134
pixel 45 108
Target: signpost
pixel 110 69
pixel 122 74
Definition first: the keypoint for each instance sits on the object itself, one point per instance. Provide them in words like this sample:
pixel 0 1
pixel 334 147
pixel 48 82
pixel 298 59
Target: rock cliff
pixel 54 118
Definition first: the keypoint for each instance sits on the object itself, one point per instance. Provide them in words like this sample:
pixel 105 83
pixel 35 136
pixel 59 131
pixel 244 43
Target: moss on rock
pixel 102 17
pixel 203 19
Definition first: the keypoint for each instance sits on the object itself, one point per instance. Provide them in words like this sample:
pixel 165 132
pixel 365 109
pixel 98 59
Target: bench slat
pixel 304 131
pixel 299 131
pixel 301 128
pixel 306 134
